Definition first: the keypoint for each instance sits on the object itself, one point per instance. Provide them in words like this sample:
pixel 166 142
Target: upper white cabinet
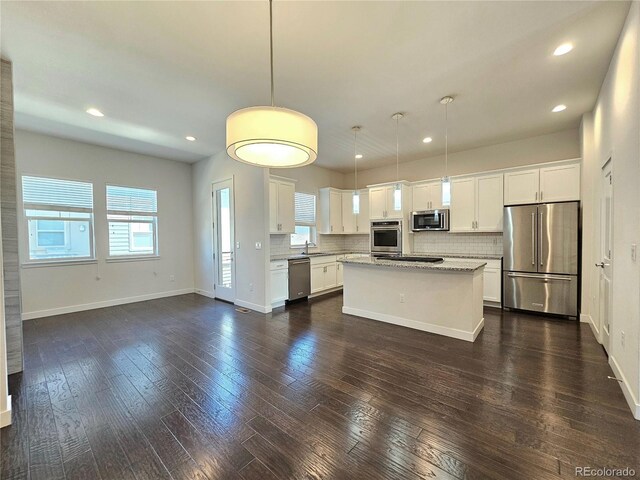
pixel 348 215
pixel 476 204
pixel 281 206
pixel 556 183
pixel 427 196
pixel 362 217
pixel 338 213
pixel 385 203
pixel 560 183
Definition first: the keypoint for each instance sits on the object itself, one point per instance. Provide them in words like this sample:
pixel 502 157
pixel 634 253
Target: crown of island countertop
pixel 286 256
pixel 448 265
pixel 478 256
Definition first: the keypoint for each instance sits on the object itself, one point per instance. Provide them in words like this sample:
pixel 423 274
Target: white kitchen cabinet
pixel 324 273
pixel 377 203
pixel 279 282
pixel 491 280
pixel 555 183
pixel 560 183
pixel 383 204
pixel 522 186
pixel 281 206
pixel 363 223
pixel 348 217
pixel 476 204
pixel 489 203
pixel 427 196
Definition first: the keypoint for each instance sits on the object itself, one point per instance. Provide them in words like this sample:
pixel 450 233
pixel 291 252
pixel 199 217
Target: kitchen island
pixel 443 298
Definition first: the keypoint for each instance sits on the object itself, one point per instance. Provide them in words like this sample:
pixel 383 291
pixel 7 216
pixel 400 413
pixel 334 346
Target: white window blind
pixel 132 217
pixel 39 193
pixel 59 218
pixel 305 208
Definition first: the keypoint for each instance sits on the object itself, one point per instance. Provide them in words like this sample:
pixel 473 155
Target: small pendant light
pixel 446 181
pixel 356 193
pixel 397 193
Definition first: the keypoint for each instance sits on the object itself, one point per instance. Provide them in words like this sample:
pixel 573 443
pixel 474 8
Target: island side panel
pixel 443 302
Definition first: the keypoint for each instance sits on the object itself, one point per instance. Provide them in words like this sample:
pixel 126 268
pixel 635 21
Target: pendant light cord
pixel 397 151
pixel 271 46
pixel 446 139
pixel 355 160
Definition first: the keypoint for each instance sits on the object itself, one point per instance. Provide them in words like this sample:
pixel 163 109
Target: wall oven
pixel 428 220
pixel 386 238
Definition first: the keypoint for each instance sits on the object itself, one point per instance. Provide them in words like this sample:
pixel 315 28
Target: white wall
pixel 58 289
pixel 614 129
pixel 545 148
pixel 251 195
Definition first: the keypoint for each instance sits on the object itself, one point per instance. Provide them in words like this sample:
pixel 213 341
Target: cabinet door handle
pixel 536 196
pixel 541 195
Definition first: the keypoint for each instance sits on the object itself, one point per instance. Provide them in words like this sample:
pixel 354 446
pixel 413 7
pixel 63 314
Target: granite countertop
pixel 446 265
pixel 482 256
pixel 286 256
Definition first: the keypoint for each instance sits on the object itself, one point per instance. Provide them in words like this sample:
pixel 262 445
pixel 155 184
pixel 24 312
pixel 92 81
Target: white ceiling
pixel 163 70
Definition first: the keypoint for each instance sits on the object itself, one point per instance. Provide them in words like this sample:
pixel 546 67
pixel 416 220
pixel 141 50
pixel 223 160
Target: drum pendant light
pixel 270 136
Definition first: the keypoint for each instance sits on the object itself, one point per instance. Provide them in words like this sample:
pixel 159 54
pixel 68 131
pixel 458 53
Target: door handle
pixel 541 195
pixel 540 235
pixel 540 277
pixel 602 264
pixel 533 237
pixel 536 196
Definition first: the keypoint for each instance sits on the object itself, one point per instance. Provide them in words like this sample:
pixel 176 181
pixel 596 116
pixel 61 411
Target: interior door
pixel 606 254
pixel 223 240
pixel 558 238
pixel 520 227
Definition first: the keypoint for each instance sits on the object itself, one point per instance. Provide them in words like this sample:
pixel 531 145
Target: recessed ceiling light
pixel 559 108
pixel 563 49
pixel 190 138
pixel 359 156
pixel 427 140
pixel 95 112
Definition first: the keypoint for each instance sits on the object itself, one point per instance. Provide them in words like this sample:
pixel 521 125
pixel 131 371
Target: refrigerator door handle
pixel 540 237
pixel 533 238
pixel 540 277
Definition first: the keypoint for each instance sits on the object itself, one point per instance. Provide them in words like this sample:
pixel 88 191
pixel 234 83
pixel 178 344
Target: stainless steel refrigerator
pixel 540 266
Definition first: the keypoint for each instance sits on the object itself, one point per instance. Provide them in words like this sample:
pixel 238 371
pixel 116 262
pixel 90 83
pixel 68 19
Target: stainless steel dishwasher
pixel 299 278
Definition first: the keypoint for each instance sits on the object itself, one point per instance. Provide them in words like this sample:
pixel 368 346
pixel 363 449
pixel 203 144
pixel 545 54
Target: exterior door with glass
pixel 223 240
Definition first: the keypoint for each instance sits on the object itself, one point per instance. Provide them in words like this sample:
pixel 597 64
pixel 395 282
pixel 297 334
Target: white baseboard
pixel 106 303
pixel 253 306
pixel 5 415
pixel 584 318
pixel 426 327
pixel 324 292
pixel 632 401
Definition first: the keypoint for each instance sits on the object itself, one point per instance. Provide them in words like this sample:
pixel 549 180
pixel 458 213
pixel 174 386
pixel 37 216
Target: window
pixel 305 215
pixel 132 214
pixel 59 215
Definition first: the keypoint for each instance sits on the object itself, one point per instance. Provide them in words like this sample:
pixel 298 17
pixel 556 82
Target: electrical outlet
pixel 172 278
pixel 258 245
pixel 622 339
pixel 402 298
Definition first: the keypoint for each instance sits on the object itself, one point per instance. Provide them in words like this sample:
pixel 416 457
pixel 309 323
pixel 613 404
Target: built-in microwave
pixel 386 237
pixel 430 220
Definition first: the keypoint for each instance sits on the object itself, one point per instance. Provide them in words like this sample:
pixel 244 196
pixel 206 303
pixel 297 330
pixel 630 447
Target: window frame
pixel 313 231
pixel 132 214
pixel 27 219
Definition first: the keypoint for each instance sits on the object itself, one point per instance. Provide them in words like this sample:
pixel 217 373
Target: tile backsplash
pixel 467 243
pixel 280 244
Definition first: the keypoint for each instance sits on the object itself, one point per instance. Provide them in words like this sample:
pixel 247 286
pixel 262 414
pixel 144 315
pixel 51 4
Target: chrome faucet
pixel 305 251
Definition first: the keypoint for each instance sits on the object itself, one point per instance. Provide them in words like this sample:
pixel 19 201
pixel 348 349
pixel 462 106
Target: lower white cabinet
pixel 279 282
pixel 492 280
pixel 324 273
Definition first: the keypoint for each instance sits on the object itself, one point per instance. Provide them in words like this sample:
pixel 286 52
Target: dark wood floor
pixel 188 388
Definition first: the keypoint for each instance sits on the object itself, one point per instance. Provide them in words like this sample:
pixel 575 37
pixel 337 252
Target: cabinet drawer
pixel 279 265
pixel 323 260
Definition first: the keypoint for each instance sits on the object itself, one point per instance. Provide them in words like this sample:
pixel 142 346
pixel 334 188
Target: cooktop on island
pixel 413 259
